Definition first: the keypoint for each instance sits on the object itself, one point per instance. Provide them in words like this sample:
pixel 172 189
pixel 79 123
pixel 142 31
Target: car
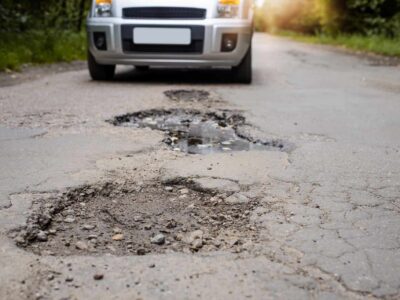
pixel 173 33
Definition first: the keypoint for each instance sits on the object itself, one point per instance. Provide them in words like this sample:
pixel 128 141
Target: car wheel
pixel 243 72
pixel 98 71
pixel 142 68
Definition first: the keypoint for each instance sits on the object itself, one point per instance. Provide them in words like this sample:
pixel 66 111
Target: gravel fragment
pixel 42 236
pixel 98 276
pixel 81 245
pixel 118 237
pixel 158 239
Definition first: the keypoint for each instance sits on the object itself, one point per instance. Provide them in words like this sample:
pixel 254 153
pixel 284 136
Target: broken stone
pixel 197 244
pixel 88 227
pixel 98 276
pixel 42 236
pixel 81 245
pixel 50 277
pixel 118 237
pixel 237 199
pixel 184 191
pixel 141 251
pixel 158 239
pixel 69 219
pixel 117 230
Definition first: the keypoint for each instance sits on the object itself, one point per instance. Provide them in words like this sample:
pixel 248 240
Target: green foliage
pixel 374 43
pixel 366 17
pixel 41 47
pixel 22 15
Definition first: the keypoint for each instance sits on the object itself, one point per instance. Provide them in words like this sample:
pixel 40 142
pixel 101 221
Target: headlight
pixel 103 8
pixel 228 8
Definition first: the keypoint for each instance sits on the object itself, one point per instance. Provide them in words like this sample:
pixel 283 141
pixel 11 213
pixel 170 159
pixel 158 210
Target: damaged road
pixel 143 189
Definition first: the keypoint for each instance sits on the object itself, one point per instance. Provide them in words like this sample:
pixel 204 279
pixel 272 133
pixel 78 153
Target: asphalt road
pixel 328 211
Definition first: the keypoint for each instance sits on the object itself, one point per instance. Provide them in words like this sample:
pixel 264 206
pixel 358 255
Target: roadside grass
pixel 38 47
pixel 373 44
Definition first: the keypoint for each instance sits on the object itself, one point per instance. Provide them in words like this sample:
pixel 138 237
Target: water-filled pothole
pixel 137 220
pixel 196 132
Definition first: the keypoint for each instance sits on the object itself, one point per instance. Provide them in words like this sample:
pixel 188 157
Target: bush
pixel 367 17
pixel 41 47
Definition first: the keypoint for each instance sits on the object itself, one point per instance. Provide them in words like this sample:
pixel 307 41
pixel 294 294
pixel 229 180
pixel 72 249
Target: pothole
pixel 188 95
pixel 137 220
pixel 197 132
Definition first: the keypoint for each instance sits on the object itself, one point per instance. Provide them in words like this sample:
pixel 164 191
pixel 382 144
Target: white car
pixel 172 33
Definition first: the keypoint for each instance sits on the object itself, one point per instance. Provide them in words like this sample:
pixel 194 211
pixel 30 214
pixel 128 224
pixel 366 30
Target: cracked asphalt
pixel 328 213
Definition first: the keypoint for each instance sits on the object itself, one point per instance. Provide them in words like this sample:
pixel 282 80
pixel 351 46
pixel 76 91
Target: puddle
pixel 137 220
pixel 187 95
pixel 196 132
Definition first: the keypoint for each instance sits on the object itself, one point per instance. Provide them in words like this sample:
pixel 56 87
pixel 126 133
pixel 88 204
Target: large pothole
pixel 137 220
pixel 197 132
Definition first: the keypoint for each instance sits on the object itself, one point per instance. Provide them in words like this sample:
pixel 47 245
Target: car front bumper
pixel 210 56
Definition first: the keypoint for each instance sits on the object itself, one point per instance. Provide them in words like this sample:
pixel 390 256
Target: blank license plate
pixel 161 36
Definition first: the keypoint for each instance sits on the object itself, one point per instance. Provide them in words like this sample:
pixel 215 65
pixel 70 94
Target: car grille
pixel 164 13
pixel 196 46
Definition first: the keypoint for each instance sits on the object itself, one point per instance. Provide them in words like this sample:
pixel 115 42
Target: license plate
pixel 161 36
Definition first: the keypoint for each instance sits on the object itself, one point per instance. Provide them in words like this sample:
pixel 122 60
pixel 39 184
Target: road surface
pixel 324 214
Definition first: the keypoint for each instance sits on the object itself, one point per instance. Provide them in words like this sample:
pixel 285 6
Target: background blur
pixel 44 31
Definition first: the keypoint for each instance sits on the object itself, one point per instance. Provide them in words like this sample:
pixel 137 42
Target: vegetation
pixel 41 47
pixel 374 43
pixel 369 25
pixel 41 31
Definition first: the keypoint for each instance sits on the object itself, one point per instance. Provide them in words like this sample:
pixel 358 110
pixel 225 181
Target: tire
pixel 243 72
pixel 98 71
pixel 142 68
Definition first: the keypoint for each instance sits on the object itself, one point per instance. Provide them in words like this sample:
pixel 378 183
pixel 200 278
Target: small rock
pixel 88 227
pixel 98 276
pixel 141 251
pixel 147 227
pixel 69 220
pixel 50 277
pixel 137 218
pixel 171 224
pixel 237 199
pixel 118 237
pixel 69 212
pixel 81 245
pixel 158 239
pixel 117 230
pixel 69 279
pixel 169 188
pixel 197 244
pixel 111 248
pixel 42 236
pixel 184 191
pixel 152 266
pixel 195 235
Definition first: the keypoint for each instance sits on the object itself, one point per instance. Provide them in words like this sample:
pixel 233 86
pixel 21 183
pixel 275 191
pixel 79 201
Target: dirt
pixel 197 132
pixel 32 72
pixel 138 219
pixel 188 95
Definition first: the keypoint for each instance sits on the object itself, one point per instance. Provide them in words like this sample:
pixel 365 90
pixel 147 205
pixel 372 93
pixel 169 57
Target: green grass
pixel 373 44
pixel 38 47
